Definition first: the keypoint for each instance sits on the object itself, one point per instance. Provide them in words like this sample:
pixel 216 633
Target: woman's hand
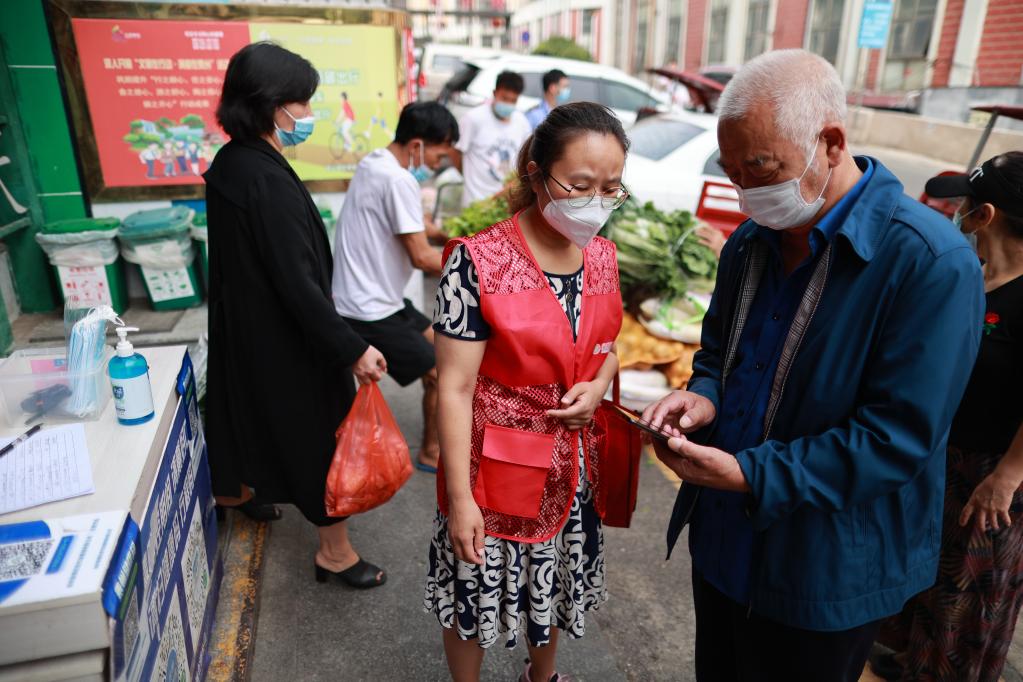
pixel 465 526
pixel 990 502
pixel 370 367
pixel 579 404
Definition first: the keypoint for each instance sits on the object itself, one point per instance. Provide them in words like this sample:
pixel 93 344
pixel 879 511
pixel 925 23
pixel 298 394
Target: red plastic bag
pixel 371 461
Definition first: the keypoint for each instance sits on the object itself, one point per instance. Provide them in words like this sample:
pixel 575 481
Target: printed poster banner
pixel 152 88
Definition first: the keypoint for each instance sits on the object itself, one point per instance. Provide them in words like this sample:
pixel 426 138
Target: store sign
pixel 875 23
pixel 153 87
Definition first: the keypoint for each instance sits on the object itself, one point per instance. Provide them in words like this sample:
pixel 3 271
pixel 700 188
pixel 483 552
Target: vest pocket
pixel 513 470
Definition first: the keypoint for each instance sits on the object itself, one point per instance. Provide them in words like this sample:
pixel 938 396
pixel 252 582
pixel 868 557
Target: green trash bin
pixel 201 236
pixel 160 244
pixel 86 262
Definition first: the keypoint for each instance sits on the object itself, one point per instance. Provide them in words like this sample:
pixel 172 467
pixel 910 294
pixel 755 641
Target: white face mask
pixel 781 206
pixel 578 225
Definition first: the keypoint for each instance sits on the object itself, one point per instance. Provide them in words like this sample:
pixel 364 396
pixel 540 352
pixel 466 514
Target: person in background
pixel 380 240
pixel 526 318
pixel 281 359
pixel 491 135
pixel 836 347
pixel 556 90
pixel 711 237
pixel 960 629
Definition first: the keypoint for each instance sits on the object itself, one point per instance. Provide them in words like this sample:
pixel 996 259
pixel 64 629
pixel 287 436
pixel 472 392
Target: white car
pixel 439 62
pixel 590 82
pixel 670 158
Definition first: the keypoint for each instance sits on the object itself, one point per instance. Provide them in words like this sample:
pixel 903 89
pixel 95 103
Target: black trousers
pixel 733 645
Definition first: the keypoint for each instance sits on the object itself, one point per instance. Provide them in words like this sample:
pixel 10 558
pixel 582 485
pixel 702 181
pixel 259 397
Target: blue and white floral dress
pixel 522 588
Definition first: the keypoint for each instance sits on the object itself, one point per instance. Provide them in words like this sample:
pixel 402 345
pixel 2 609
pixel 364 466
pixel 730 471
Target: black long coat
pixel 279 374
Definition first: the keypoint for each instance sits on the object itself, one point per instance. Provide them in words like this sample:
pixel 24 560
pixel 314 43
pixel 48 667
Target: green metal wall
pixel 38 113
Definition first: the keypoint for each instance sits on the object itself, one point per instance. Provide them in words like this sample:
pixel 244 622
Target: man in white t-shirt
pixel 380 241
pixel 491 136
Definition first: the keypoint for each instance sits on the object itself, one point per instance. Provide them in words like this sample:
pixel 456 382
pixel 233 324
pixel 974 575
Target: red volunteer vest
pixel 524 465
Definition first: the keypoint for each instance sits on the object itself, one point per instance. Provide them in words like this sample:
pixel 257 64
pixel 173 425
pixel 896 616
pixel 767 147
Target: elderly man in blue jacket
pixel 811 439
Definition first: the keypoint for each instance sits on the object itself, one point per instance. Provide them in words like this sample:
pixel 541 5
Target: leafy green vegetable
pixel 477 216
pixel 659 251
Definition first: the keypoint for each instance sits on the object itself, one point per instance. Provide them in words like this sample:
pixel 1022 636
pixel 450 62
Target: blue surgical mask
pixel 957 220
pixel 564 95
pixel 422 173
pixel 303 129
pixel 503 110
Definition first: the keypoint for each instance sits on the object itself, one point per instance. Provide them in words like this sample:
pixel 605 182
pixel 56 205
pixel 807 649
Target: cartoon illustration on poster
pixel 354 115
pixel 153 87
pixel 172 659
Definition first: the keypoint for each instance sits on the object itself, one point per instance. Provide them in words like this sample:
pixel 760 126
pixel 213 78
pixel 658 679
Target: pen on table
pixel 20 439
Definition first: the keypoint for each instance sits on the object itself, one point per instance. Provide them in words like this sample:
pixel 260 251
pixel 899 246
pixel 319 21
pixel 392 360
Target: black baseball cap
pixel 986 184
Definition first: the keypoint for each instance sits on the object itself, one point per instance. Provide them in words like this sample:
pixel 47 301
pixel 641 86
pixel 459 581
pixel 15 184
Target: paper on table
pixel 51 465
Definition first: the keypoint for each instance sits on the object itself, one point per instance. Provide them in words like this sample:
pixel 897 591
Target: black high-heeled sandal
pixel 257 511
pixel 260 511
pixel 362 576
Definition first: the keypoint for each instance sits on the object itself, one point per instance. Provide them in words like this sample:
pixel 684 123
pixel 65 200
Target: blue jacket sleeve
pixel 707 363
pixel 910 392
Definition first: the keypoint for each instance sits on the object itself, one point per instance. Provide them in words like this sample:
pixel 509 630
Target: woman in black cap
pixel 961 628
pixel 281 358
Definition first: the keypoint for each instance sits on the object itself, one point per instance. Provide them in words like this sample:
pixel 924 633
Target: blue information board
pixel 877 19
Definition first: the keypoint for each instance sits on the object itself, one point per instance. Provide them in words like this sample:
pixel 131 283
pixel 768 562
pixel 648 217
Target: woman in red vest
pixel 527 314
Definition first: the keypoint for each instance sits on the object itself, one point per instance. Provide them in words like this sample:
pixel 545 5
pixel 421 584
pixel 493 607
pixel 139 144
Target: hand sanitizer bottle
pixel 129 377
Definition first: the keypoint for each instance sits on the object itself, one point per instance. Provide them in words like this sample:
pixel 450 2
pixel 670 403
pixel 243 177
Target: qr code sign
pixel 23 559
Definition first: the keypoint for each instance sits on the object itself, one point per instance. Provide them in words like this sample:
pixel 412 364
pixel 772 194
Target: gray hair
pixel 804 89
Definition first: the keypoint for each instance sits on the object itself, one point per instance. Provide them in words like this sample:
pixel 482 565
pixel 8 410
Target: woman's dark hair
pixel 547 143
pixel 261 77
pixel 509 80
pixel 428 121
pixel 1011 166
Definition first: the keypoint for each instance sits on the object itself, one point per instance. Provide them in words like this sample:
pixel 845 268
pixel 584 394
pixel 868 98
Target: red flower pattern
pixel 991 321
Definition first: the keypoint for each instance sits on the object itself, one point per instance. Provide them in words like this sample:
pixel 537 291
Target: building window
pixel 674 42
pixel 911 29
pixel 908 42
pixel 642 35
pixel 826 28
pixel 757 22
pixel 588 21
pixel 716 37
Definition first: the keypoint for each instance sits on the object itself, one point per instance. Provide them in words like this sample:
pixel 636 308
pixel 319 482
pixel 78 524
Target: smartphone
pixel 637 420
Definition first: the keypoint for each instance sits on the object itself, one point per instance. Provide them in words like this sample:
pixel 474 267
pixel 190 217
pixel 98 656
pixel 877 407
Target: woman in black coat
pixel 281 358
